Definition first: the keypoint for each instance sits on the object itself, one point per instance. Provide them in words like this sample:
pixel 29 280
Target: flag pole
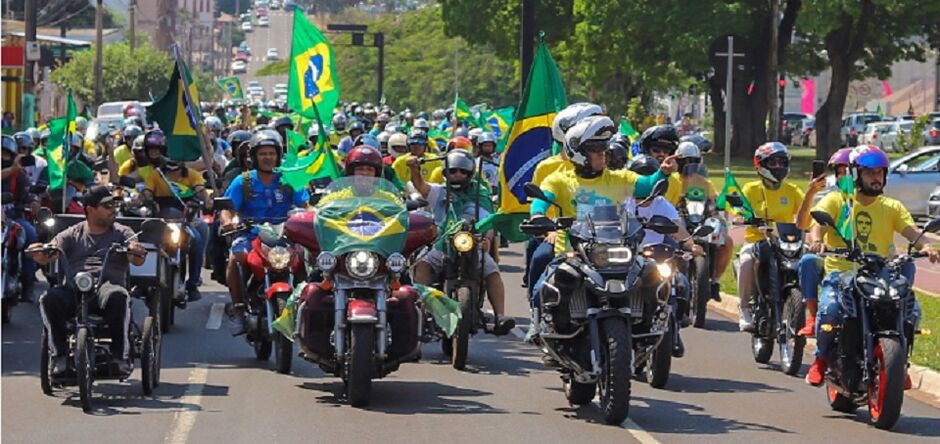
pixel 200 126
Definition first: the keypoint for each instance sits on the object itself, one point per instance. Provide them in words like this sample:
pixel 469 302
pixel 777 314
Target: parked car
pixel 254 84
pixel 239 67
pixel 931 134
pixel 791 125
pixel 858 122
pixel 272 54
pixel 874 133
pixel 890 140
pixel 264 21
pixel 246 26
pixel 243 47
pixel 807 127
pixel 242 57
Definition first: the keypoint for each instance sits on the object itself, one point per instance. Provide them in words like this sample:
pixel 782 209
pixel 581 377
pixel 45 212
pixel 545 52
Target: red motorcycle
pixel 359 321
pixel 274 265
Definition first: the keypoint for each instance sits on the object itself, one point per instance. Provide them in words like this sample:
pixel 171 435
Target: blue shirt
pixel 270 203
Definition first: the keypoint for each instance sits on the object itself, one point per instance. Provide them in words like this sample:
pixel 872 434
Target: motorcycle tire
pixel 149 356
pixel 886 390
pixel 166 308
pixel 45 357
pixel 84 366
pixel 283 346
pixel 5 308
pixel 262 345
pixel 660 361
pixel 762 349
pixel 461 338
pixel 578 393
pixel 791 349
pixel 838 402
pixel 702 288
pixel 360 365
pixel 447 347
pixel 614 380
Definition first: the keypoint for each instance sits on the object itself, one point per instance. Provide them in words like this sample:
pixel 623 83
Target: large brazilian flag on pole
pixel 313 85
pixel 179 116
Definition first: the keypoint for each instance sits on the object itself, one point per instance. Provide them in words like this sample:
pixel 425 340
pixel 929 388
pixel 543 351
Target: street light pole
pixel 773 118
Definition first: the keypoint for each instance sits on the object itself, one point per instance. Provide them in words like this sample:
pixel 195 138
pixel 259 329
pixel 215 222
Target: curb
pixel 924 380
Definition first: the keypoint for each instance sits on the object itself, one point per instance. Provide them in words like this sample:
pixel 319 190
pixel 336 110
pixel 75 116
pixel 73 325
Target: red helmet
pixel 460 142
pixel 364 155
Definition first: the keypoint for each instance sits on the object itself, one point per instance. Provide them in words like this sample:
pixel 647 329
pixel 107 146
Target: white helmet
pixel 688 149
pixel 571 115
pixel 397 145
pixel 590 132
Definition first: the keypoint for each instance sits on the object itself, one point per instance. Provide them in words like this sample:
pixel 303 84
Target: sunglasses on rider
pixel 453 171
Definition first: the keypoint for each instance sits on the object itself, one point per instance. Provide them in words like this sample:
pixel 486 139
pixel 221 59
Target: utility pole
pixel 99 25
pixel 30 18
pixel 729 87
pixel 379 42
pixel 132 10
pixel 527 43
pixel 773 118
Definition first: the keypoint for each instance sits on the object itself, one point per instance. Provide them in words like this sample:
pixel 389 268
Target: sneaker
pixel 745 320
pixel 678 349
pixel 239 326
pixel 503 326
pixel 533 331
pixel 59 365
pixel 817 372
pixel 809 329
pixel 193 294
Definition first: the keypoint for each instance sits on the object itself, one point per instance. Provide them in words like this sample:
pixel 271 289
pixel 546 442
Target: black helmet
pixel 155 139
pixel 618 152
pixel 130 132
pixel 24 140
pixel 283 121
pixel 644 165
pixel 659 136
pixel 357 126
pixel 460 160
pixel 238 137
pixel 265 138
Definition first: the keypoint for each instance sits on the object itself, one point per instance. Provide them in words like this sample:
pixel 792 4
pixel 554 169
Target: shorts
pixel 242 243
pixel 435 258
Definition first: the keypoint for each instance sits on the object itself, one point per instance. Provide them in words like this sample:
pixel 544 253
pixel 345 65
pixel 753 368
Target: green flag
pixel 844 223
pixel 297 172
pixel 313 84
pixel 60 134
pixel 627 129
pixel 177 118
pixel 233 87
pixel 732 188
pixel 462 111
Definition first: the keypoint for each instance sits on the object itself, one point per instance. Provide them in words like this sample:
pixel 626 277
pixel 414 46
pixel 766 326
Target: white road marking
pixel 518 332
pixel 184 419
pixel 215 316
pixel 641 435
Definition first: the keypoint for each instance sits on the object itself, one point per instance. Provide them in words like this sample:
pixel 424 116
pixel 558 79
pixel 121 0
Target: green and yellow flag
pixel 732 188
pixel 60 134
pixel 313 84
pixel 462 112
pixel 233 87
pixel 627 129
pixel 498 122
pixel 178 118
pixel 298 171
pixel 844 223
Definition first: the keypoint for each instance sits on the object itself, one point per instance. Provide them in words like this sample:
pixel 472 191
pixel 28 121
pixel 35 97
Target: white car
pixel 272 54
pixel 264 21
pixel 246 26
pixel 889 142
pixel 239 67
pixel 874 133
pixel 254 84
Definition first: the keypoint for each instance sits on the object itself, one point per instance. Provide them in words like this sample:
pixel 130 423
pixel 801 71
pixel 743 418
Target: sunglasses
pixel 453 171
pixel 109 205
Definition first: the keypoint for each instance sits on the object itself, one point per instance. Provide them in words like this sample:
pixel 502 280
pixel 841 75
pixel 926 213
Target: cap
pixel 96 196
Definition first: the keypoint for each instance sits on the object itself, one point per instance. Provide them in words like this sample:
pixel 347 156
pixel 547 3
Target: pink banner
pixel 886 88
pixel 808 96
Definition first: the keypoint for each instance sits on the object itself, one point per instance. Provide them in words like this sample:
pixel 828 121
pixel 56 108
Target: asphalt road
pixel 214 390
pixel 277 35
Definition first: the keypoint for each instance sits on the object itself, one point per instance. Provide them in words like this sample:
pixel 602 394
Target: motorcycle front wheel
pixel 791 349
pixel 660 360
pixel 886 390
pixel 84 366
pixel 702 287
pixel 45 357
pixel 150 356
pixel 283 346
pixel 614 380
pixel 361 362
pixel 461 339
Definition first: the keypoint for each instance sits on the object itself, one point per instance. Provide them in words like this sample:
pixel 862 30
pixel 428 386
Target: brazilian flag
pixel 376 222
pixel 177 117
pixel 233 87
pixel 313 84
pixel 499 122
pixel 732 188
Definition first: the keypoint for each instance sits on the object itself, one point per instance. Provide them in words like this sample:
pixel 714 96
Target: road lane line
pixel 185 418
pixel 215 316
pixel 641 435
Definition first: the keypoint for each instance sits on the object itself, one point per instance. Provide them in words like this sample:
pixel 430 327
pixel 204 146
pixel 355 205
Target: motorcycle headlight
pixel 665 270
pixel 49 223
pixel 395 263
pixel 361 264
pixel 463 242
pixel 175 233
pixel 604 256
pixel 326 261
pixel 279 257
pixel 84 281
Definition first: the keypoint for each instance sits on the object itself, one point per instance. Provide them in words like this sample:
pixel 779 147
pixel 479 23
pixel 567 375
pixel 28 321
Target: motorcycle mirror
pixel 703 230
pixel 565 222
pixel 127 181
pixel 823 218
pixel 222 203
pixel 532 190
pixel 661 224
pixel 44 214
pixel 414 204
pixel 933 226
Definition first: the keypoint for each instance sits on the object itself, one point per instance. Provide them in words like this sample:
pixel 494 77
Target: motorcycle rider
pixel 85 245
pixel 123 152
pixel 488 158
pixel 418 148
pixel 16 181
pixel 618 152
pixel 356 128
pixel 168 186
pixel 887 216
pixel 587 184
pixel 25 146
pixel 811 265
pixel 339 129
pixel 258 195
pixel 397 147
pixel 145 160
pixel 459 178
pixel 281 125
pixel 238 139
pixel 775 200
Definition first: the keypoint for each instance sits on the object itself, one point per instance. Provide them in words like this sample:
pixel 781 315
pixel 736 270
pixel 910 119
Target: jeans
pixel 28 267
pixel 530 247
pixel 810 272
pixel 59 304
pixel 541 257
pixel 830 308
pixel 757 267
pixel 197 253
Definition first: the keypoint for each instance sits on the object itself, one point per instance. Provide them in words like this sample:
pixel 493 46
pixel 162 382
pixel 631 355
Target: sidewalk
pixel 924 380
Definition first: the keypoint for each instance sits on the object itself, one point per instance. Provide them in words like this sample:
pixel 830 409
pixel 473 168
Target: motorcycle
pixel 777 317
pixel 874 343
pixel 702 288
pixel 358 321
pixel 13 238
pixel 89 355
pixel 275 266
pixel 606 311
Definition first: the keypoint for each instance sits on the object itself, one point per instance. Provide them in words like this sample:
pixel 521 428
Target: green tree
pixel 125 76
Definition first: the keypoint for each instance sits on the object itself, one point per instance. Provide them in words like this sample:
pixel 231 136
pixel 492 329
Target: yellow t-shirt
pixel 873 225
pixel 692 186
pixel 780 205
pixel 130 165
pixel 185 185
pixel 437 175
pixel 122 154
pixel 404 173
pixel 548 166
pixel 90 148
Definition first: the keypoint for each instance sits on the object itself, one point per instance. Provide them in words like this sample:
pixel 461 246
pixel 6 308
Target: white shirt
pixel 658 207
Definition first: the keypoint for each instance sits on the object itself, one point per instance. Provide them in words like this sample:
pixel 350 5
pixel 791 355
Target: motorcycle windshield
pixel 603 224
pixel 361 213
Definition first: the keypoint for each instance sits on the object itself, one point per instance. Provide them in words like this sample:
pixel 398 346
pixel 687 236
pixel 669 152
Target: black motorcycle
pixel 89 355
pixel 14 241
pixel 869 360
pixel 606 309
pixel 702 286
